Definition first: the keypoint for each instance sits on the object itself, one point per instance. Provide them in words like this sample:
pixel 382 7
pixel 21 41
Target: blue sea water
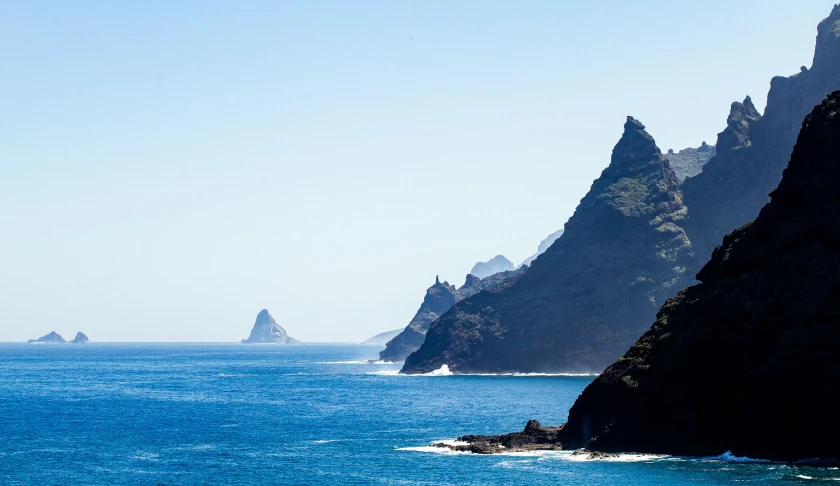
pixel 185 414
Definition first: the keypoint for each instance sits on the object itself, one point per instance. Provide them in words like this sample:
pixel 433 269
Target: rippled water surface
pixel 306 414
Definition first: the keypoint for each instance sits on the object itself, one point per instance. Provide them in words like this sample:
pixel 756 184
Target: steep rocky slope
pixel 747 360
pixel 753 150
pixel 492 266
pixel 592 293
pixel 588 308
pixel 543 246
pixel 689 162
pixel 267 331
pixel 439 298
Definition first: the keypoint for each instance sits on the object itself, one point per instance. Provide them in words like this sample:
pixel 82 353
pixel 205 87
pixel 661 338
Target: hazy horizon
pixel 171 169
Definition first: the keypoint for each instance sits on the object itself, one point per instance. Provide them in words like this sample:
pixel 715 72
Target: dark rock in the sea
pixel 592 293
pixel 689 162
pixel 543 246
pixel 533 438
pixel 267 331
pixel 80 338
pixel 754 149
pixel 746 361
pixel 439 298
pixel 383 337
pixel 491 267
pixel 51 338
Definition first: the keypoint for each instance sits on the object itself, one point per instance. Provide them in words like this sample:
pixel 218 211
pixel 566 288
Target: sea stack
pixel 267 331
pixel 81 338
pixel 51 338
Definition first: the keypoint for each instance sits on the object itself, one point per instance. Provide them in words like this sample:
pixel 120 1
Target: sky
pixel 168 169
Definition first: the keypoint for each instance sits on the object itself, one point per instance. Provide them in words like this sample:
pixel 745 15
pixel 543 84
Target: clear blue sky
pixel 167 169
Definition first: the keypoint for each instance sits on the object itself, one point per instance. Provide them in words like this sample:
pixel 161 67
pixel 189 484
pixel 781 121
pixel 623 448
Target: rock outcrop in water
pixel 747 360
pixel 592 293
pixel 267 331
pixel 80 338
pixel 51 338
pixel 491 267
pixel 689 162
pixel 555 319
pixel 543 246
pixel 439 298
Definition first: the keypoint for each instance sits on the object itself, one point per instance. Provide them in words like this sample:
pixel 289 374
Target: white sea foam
pixel 729 457
pixel 442 371
pixel 571 456
pixel 326 441
pixel 360 362
pixel 445 371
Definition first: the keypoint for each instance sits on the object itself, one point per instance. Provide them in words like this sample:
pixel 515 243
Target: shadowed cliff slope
pixel 753 150
pixel 588 307
pixel 439 298
pixel 747 360
pixel 623 249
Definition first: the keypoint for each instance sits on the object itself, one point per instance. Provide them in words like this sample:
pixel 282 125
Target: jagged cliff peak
pixel 737 132
pixel 635 145
pixel 827 51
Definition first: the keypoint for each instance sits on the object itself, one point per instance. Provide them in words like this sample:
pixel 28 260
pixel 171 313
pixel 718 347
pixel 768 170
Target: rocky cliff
pixel 542 247
pixel 80 338
pixel 689 162
pixel 575 309
pixel 51 338
pixel 592 293
pixel 492 266
pixel 747 360
pixel 267 331
pixel 383 337
pixel 439 298
pixel 753 150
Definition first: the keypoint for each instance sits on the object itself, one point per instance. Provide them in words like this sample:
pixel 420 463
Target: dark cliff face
pixel 623 249
pixel 439 298
pixel 577 307
pixel 753 150
pixel 747 360
pixel 267 331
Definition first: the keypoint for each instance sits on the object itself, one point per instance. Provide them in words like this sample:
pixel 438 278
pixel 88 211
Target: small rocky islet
pixel 267 331
pixel 55 338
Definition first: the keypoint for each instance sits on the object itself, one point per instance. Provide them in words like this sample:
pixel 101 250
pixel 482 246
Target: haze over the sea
pixel 169 169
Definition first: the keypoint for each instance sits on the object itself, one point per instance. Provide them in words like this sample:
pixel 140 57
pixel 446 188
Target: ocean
pixel 188 414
